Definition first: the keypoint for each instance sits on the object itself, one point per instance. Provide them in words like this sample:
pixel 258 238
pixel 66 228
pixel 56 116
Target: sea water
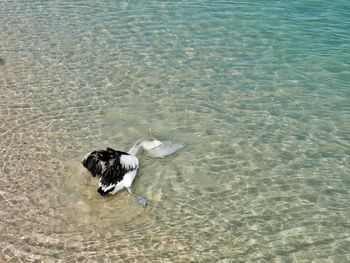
pixel 258 91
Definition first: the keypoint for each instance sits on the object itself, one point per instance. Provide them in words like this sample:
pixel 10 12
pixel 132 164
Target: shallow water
pixel 258 92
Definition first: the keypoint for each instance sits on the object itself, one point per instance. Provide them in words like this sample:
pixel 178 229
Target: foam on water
pixel 258 93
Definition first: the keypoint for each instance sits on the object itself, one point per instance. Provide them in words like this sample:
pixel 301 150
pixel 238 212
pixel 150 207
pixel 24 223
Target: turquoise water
pixel 258 91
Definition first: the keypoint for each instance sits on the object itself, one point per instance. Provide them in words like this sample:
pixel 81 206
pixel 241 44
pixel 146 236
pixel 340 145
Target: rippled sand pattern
pixel 264 115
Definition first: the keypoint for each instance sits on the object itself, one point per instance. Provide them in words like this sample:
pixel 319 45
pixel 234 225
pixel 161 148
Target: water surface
pixel 259 93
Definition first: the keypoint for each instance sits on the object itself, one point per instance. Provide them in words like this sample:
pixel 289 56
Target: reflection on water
pixel 264 115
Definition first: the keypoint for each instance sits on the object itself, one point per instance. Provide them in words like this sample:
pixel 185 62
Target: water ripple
pixel 258 92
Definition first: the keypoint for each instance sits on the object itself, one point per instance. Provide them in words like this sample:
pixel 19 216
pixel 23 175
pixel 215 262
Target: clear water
pixel 257 90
